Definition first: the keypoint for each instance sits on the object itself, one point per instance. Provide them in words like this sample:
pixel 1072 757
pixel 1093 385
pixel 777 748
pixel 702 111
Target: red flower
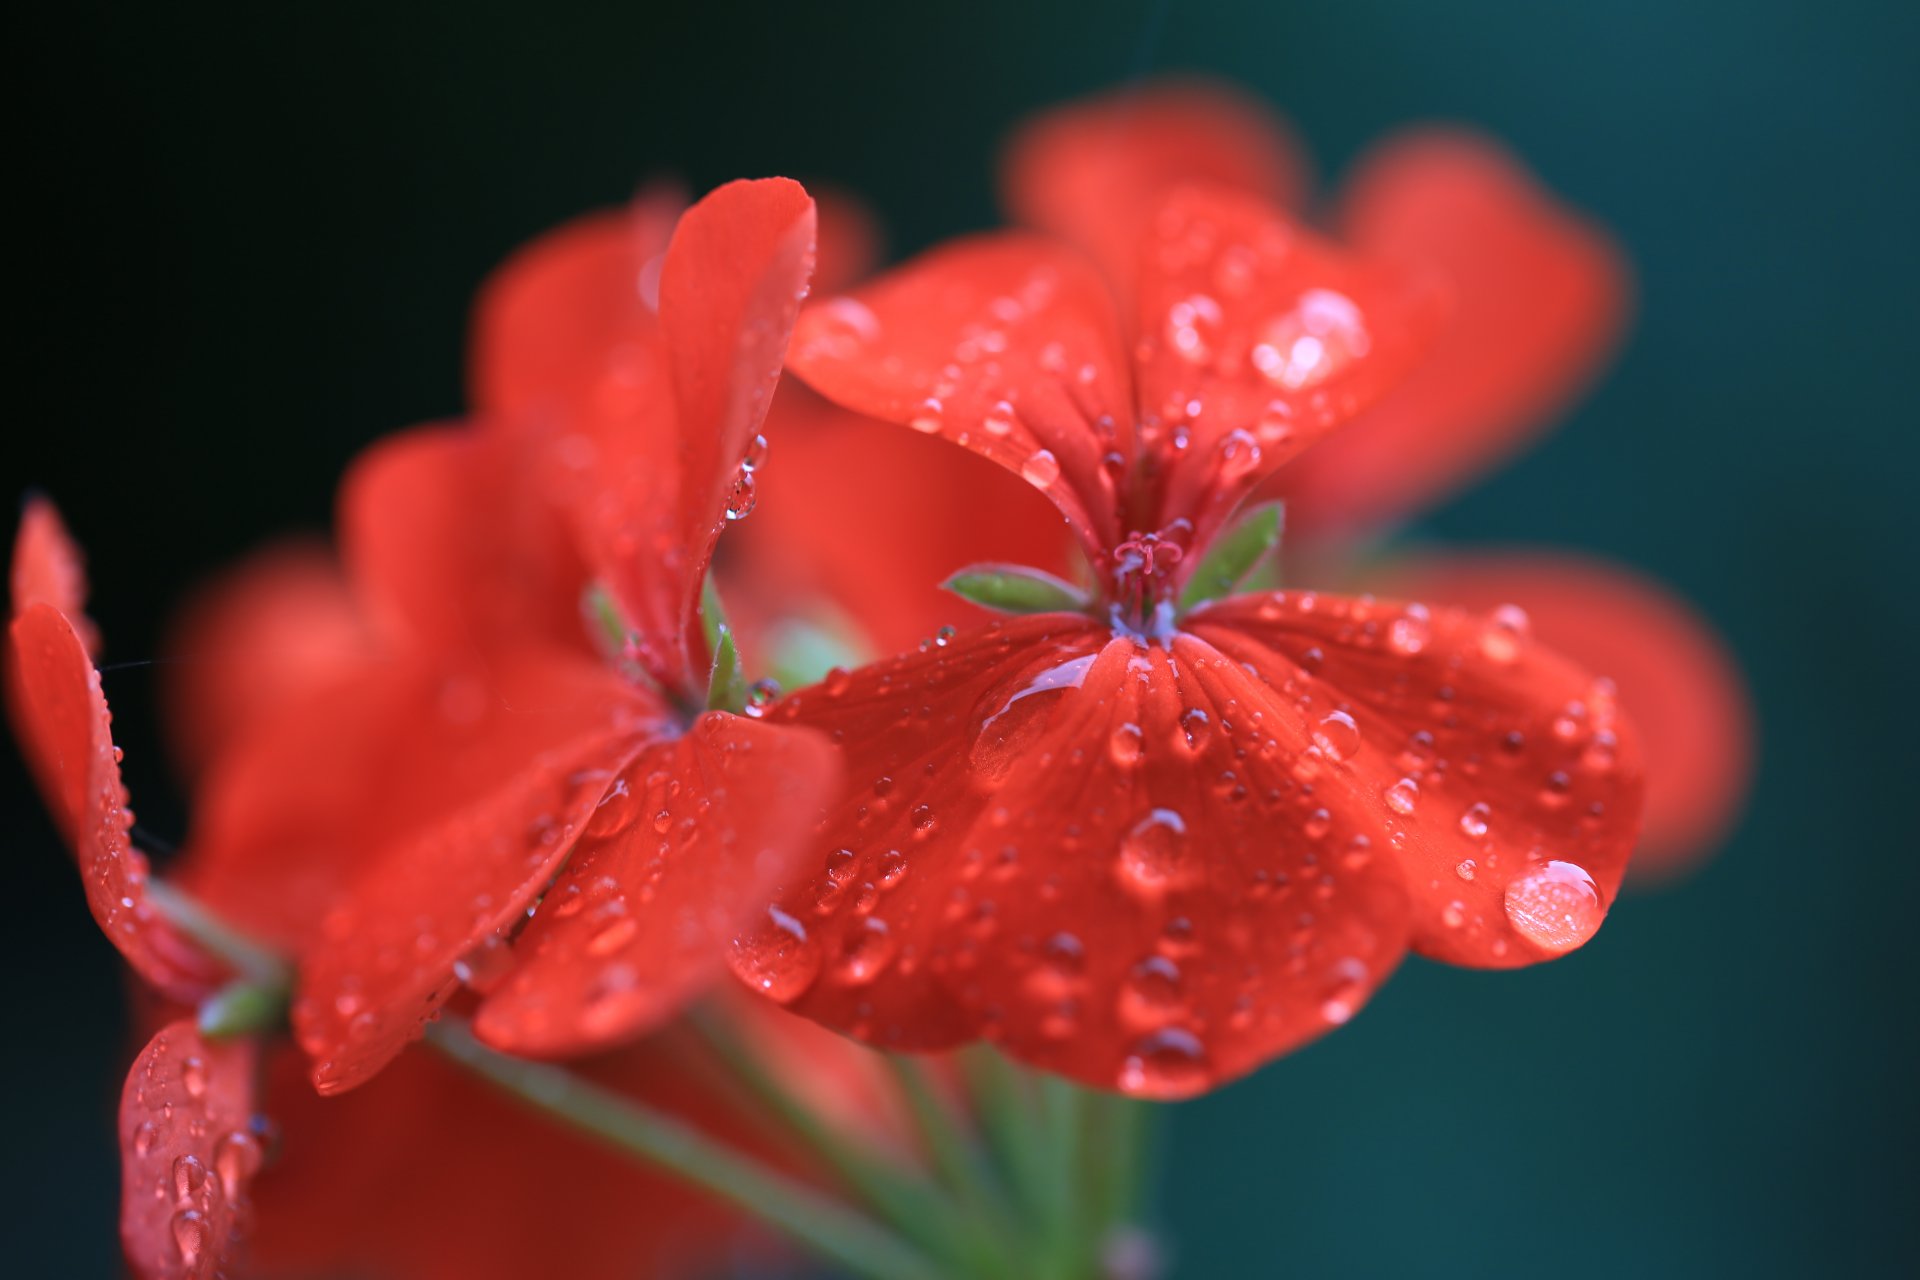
pixel 1151 844
pixel 1540 297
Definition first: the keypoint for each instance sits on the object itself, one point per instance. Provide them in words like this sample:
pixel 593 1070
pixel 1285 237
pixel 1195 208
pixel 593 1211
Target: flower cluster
pixel 1143 798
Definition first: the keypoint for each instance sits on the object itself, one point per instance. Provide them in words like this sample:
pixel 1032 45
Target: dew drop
pixel 236 1158
pixel 999 420
pixel 1403 796
pixel 1150 854
pixel 189 1175
pixel 193 1077
pixel 1555 906
pixel 1473 823
pixel 1466 869
pixel 743 496
pixel 776 958
pixel 1041 468
pixel 189 1237
pixel 1169 1063
pixel 869 949
pixel 1196 728
pixel 1337 736
pixel 1504 634
pixel 1126 745
pixel 1410 631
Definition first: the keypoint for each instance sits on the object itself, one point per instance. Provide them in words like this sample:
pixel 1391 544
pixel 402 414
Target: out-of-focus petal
pixel 1097 170
pixel 1004 344
pixel 449 550
pixel 1540 299
pixel 188 1153
pixel 48 568
pixel 61 722
pixel 279 625
pixel 429 1173
pixel 531 754
pixel 686 847
pixel 1677 681
pixel 557 314
pixel 872 519
pixel 1501 779
pixel 1078 846
pixel 1256 339
pixel 851 242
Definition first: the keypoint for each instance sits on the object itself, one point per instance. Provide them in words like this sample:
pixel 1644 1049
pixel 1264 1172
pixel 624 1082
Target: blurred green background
pixel 248 240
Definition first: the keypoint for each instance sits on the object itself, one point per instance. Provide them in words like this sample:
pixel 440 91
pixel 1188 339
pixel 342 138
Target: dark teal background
pixel 244 245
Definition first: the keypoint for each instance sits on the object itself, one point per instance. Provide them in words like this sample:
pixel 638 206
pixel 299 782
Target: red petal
pixel 188 1153
pixel 545 743
pixel 1541 298
pixel 449 548
pixel 431 1173
pixel 1006 344
pixel 870 520
pixel 1501 778
pixel 276 627
pixel 1078 846
pixel 694 838
pixel 851 241
pixel 1256 339
pixel 559 312
pixel 61 722
pixel 49 569
pixel 1096 171
pixel 1678 683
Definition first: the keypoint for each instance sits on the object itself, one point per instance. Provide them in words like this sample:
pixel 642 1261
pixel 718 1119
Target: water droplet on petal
pixel 193 1077
pixel 1403 796
pixel 1151 853
pixel 1126 745
pixel 1556 906
pixel 1169 1063
pixel 1410 632
pixel 776 957
pixel 1505 631
pixel 1337 736
pixel 1473 823
pixel 189 1175
pixel 1041 468
pixel 236 1158
pixel 869 949
pixel 1196 727
pixel 189 1237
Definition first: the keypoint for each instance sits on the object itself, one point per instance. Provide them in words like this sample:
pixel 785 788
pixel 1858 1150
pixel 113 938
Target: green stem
pixel 1069 1244
pixel 252 960
pixel 847 1238
pixel 962 1166
pixel 900 1195
pixel 1006 1107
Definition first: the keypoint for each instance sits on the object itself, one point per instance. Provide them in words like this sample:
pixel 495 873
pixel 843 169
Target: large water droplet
pixel 1556 906
pixel 1473 823
pixel 1151 853
pixel 1504 634
pixel 189 1237
pixel 193 1077
pixel 236 1158
pixel 776 957
pixel 870 948
pixel 1403 796
pixel 1126 745
pixel 1196 729
pixel 1169 1063
pixel 1041 468
pixel 1337 736
pixel 189 1175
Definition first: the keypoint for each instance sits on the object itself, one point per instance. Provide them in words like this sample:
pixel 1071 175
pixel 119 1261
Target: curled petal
pixel 1004 344
pixel 1257 338
pixel 276 627
pixel 188 1153
pixel 48 569
pixel 1540 298
pixel 690 842
pixel 1085 848
pixel 523 764
pixel 1678 683
pixel 1096 171
pixel 61 722
pixel 449 551
pixel 1502 779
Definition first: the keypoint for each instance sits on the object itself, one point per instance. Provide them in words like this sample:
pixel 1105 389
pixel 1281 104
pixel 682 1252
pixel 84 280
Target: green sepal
pixel 1014 588
pixel 1235 554
pixel 244 1007
pixel 727 685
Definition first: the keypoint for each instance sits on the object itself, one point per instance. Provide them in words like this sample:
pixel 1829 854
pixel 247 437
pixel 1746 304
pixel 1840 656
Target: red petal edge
pixel 188 1152
pixel 61 721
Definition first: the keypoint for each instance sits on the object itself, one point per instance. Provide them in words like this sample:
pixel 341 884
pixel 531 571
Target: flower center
pixel 1143 572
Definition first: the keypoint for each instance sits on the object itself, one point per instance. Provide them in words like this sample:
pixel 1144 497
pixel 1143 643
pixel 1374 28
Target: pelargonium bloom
pixel 1149 839
pixel 1540 299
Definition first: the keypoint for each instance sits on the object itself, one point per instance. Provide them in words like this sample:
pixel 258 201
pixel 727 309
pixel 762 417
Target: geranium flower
pixel 1540 300
pixel 425 1171
pixel 1151 838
